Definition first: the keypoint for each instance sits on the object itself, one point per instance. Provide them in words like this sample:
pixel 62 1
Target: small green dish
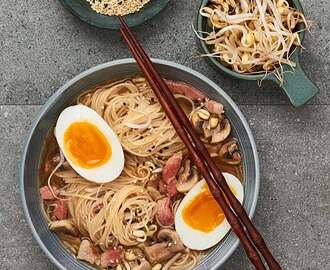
pixel 298 87
pixel 84 12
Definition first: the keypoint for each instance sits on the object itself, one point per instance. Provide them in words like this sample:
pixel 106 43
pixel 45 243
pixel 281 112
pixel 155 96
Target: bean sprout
pixel 253 36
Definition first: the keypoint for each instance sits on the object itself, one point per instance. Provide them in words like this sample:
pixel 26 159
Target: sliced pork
pixel 111 258
pixel 167 185
pixel 46 194
pixel 214 107
pixel 164 213
pixel 185 89
pixel 60 210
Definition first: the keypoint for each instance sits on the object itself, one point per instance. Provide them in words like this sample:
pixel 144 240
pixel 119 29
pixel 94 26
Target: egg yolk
pixel 203 213
pixel 86 145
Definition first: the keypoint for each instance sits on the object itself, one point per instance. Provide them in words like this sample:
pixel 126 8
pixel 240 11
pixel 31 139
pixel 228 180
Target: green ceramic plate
pixel 298 87
pixel 83 11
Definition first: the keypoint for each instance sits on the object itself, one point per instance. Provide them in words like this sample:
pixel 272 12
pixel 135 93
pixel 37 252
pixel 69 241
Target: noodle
pixel 132 101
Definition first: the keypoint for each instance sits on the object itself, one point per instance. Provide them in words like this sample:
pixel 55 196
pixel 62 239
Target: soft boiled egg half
pixel 89 144
pixel 199 220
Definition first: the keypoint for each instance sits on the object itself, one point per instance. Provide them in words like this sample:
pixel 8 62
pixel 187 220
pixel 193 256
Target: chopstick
pixel 236 205
pixel 199 153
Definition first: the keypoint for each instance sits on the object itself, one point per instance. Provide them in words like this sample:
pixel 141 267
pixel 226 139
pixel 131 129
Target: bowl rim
pixel 217 64
pixel 97 68
pixel 146 13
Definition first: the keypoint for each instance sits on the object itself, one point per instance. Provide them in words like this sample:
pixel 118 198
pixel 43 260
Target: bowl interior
pixel 66 96
pixel 207 49
pixel 83 11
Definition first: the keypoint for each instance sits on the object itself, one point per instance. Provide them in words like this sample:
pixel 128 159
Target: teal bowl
pixel 82 10
pixel 297 86
pixel 67 94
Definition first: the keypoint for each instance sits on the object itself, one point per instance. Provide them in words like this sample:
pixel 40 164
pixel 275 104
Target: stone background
pixel 43 46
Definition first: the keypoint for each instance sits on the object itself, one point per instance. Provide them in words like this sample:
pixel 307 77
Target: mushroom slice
pixel 221 132
pixel 206 130
pixel 158 252
pixel 142 265
pixel 169 245
pixel 229 153
pixel 197 122
pixel 214 122
pixel 172 238
pixel 188 177
pixel 64 226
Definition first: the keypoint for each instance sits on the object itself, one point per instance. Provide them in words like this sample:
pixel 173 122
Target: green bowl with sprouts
pixel 280 40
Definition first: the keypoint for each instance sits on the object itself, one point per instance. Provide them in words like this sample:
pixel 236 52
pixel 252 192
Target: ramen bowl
pixel 297 86
pixel 66 95
pixel 82 10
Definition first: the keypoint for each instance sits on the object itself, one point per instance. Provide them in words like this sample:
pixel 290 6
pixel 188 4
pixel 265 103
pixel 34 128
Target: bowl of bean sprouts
pixel 257 40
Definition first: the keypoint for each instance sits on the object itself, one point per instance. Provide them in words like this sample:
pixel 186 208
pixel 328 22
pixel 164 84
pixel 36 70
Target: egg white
pixel 198 240
pixel 114 166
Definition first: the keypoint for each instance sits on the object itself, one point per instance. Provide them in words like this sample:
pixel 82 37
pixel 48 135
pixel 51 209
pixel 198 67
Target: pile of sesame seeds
pixel 117 7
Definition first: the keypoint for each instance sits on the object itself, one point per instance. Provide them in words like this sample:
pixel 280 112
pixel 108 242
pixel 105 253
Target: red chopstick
pixel 186 133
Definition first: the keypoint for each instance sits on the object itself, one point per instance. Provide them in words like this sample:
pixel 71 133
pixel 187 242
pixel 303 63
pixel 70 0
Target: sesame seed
pixel 116 7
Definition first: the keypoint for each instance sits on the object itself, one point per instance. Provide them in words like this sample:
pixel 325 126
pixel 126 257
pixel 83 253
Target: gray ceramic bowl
pixel 66 95
pixel 82 10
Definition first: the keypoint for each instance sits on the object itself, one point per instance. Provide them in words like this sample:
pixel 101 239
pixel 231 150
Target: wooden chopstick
pixel 190 138
pixel 236 205
pixel 215 190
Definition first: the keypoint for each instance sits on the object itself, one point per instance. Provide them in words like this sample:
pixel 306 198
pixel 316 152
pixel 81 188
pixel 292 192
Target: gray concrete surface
pixel 42 46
